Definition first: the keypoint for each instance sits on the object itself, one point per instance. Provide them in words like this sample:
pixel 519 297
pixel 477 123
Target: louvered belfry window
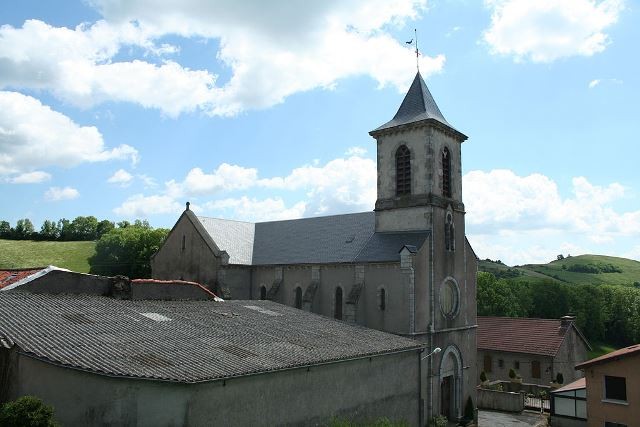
pixel 446 172
pixel 403 171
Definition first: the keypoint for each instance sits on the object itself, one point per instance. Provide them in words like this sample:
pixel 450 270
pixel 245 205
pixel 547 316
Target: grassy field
pixel 27 253
pixel 606 270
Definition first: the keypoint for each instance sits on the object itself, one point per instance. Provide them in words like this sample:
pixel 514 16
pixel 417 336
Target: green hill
pixel 582 269
pixel 28 253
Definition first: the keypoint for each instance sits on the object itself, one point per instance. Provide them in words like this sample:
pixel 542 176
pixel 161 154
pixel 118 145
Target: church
pixel 404 268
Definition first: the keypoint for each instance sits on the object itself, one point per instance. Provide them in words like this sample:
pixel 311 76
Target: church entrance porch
pixel 451 384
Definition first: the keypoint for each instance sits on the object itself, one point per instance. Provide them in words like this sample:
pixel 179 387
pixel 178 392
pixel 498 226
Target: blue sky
pixel 126 110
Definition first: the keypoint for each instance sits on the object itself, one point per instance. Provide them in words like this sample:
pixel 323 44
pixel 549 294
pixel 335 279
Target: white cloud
pixel 341 185
pixel 34 177
pixel 506 212
pixel 546 30
pixel 255 210
pixel 140 206
pixel 56 194
pixel 594 83
pixel 272 52
pixel 33 136
pixel 121 177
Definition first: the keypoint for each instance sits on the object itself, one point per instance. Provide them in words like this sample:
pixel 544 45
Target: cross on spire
pixel 415 32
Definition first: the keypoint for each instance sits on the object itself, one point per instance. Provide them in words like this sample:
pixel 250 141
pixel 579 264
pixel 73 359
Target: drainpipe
pixel 432 324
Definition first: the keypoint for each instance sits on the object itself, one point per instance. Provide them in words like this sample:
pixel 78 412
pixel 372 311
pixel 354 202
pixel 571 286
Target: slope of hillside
pixel 28 253
pixel 581 269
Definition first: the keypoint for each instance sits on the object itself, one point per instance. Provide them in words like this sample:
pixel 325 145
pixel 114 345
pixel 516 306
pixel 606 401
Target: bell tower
pixel 419 164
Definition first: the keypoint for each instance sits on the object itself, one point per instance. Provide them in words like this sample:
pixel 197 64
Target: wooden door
pixel 445 396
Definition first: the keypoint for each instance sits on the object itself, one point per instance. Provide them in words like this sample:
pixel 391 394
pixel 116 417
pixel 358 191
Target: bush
pixel 27 411
pixel 439 421
pixel 468 409
pixel 512 374
pixel 483 376
pixel 559 378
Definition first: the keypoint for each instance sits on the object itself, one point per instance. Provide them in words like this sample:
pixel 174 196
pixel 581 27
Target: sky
pixel 260 111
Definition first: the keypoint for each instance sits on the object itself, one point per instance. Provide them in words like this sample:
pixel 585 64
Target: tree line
pixel 80 228
pixel 603 312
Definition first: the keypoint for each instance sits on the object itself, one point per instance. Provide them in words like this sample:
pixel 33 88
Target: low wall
pixel 557 421
pixel 500 400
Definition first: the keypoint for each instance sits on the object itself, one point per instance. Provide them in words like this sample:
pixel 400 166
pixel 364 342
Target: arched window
pixel 298 297
pixel 449 233
pixel 382 303
pixel 403 171
pixel 446 172
pixel 263 292
pixel 337 311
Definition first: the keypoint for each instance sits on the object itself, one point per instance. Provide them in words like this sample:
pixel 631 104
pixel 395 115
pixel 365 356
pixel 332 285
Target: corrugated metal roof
pixel 320 240
pixel 189 341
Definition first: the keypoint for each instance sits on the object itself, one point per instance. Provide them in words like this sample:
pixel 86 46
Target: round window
pixel 449 298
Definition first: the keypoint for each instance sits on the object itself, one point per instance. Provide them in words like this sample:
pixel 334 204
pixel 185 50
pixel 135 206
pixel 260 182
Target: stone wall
pixel 500 400
pixel 362 390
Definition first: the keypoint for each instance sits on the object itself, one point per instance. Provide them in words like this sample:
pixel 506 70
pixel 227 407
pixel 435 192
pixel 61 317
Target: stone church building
pixel 405 268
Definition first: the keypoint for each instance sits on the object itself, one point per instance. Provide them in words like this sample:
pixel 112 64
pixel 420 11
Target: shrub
pixel 468 409
pixel 512 374
pixel 439 421
pixel 559 378
pixel 27 411
pixel 483 376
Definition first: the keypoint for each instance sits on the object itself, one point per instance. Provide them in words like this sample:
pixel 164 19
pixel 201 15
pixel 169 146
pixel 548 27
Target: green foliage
pixel 560 378
pixel 5 230
pixel 438 421
pixel 380 422
pixel 104 227
pixel 500 297
pixel 469 409
pixel 28 253
pixel 512 373
pixel 127 251
pixel 49 231
pixel 483 376
pixel 27 411
pixel 594 268
pixel 23 229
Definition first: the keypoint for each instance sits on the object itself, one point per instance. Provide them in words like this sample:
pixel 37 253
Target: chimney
pixel 566 321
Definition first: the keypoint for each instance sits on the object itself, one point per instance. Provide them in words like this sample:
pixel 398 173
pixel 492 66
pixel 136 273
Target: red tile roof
pixel 8 277
pixel 610 357
pixel 173 282
pixel 522 335
pixel 577 384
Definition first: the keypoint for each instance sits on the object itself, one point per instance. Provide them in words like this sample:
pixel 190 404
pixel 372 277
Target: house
pixel 405 268
pixel 110 361
pixel 536 349
pixel 613 388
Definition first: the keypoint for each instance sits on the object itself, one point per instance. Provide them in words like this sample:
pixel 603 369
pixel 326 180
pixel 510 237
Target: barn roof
pixel 523 335
pixel 319 240
pixel 182 341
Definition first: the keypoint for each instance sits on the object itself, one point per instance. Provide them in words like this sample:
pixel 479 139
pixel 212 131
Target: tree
pixel 23 230
pixel 27 411
pixel 49 230
pixel 127 251
pixel 84 228
pixel 104 227
pixel 65 230
pixel 5 230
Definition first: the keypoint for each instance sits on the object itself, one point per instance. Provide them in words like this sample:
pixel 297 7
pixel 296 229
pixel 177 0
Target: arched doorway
pixel 451 383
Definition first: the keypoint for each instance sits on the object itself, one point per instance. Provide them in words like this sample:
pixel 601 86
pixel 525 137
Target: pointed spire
pixel 418 105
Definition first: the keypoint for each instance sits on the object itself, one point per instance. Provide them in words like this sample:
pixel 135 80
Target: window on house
pixel 516 364
pixel 610 424
pixel 298 297
pixel 615 388
pixel 500 363
pixel 403 171
pixel 487 363
pixel 535 369
pixel 337 311
pixel 382 304
pixel 446 172
pixel 449 233
pixel 263 292
pixel 184 242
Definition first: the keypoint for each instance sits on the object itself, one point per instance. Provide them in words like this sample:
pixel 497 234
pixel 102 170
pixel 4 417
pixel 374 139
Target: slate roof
pixel 609 357
pixel 418 105
pixel 320 240
pixel 183 341
pixel 522 335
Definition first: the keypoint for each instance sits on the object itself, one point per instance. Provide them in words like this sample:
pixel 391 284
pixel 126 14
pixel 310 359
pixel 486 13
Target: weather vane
pixel 415 32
